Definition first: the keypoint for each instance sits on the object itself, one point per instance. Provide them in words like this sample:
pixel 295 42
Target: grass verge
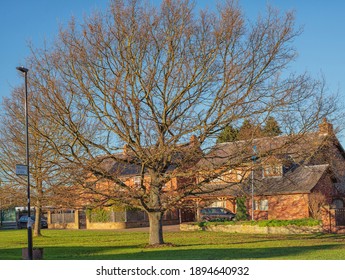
pixel 111 245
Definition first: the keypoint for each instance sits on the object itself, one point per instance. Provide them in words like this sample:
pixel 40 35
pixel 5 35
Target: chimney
pixel 325 128
pixel 194 141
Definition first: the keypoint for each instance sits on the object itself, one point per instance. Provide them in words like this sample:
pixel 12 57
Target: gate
pixel 82 219
pixel 340 217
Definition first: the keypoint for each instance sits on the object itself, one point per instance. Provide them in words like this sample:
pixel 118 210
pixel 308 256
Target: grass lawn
pixel 111 245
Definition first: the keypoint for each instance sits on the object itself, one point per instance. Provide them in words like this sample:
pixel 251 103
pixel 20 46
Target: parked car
pixel 23 221
pixel 216 214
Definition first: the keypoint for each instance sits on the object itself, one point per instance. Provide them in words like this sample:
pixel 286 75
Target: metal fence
pixel 110 216
pixel 136 216
pixel 63 217
pixel 106 216
pixel 340 217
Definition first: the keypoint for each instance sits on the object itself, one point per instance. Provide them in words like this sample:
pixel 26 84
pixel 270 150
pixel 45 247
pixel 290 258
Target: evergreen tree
pixel 249 130
pixel 241 213
pixel 229 134
pixel 271 128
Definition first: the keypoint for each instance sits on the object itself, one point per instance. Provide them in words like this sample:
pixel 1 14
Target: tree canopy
pixel 150 78
pixel 271 127
pixel 248 130
pixel 228 134
pixel 45 163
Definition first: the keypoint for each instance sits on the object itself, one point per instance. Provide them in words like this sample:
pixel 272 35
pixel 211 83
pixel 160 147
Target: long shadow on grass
pixel 223 254
pixel 109 253
pixel 69 252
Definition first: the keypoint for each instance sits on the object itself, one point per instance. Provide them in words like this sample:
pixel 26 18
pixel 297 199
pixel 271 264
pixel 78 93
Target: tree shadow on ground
pixel 140 253
pixel 226 254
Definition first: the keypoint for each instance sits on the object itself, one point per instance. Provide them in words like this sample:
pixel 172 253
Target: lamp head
pixel 22 69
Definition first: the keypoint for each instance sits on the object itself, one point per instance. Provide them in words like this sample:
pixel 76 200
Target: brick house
pixel 288 177
pixel 107 205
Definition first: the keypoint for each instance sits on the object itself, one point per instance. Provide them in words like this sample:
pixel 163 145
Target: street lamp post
pixel 253 202
pixel 254 158
pixel 29 224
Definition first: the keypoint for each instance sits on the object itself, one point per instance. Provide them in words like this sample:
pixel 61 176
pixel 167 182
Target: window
pixel 219 203
pixel 337 203
pixel 137 181
pixel 264 205
pixel 239 175
pixel 273 171
pixel 223 177
pixel 219 179
pixel 261 205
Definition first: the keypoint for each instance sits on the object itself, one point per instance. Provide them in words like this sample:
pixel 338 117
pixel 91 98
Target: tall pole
pixel 254 157
pixel 0 207
pixel 29 224
pixel 253 202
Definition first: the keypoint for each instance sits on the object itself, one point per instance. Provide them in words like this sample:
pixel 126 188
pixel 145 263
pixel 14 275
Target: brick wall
pixel 326 187
pixel 296 206
pixel 288 207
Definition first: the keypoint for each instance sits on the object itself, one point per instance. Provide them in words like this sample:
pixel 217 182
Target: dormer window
pixel 137 180
pixel 272 171
pixel 218 180
pixel 222 178
pixel 239 175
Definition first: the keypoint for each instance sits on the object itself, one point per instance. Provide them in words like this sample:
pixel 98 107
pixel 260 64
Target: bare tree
pixel 151 77
pixel 44 169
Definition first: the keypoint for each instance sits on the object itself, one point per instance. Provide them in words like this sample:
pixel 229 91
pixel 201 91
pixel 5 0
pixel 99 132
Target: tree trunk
pixel 38 208
pixel 156 228
pixel 37 227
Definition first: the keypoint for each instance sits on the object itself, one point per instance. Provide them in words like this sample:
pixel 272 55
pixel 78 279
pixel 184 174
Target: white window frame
pixel 239 175
pixel 269 171
pixel 261 204
pixel 218 203
pixel 137 180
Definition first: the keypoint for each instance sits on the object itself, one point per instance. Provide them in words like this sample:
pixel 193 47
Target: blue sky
pixel 321 47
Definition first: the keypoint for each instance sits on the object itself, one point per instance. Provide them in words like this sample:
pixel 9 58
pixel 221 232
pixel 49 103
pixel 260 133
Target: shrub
pixel 241 214
pixel 268 223
pixel 98 215
pixel 283 223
